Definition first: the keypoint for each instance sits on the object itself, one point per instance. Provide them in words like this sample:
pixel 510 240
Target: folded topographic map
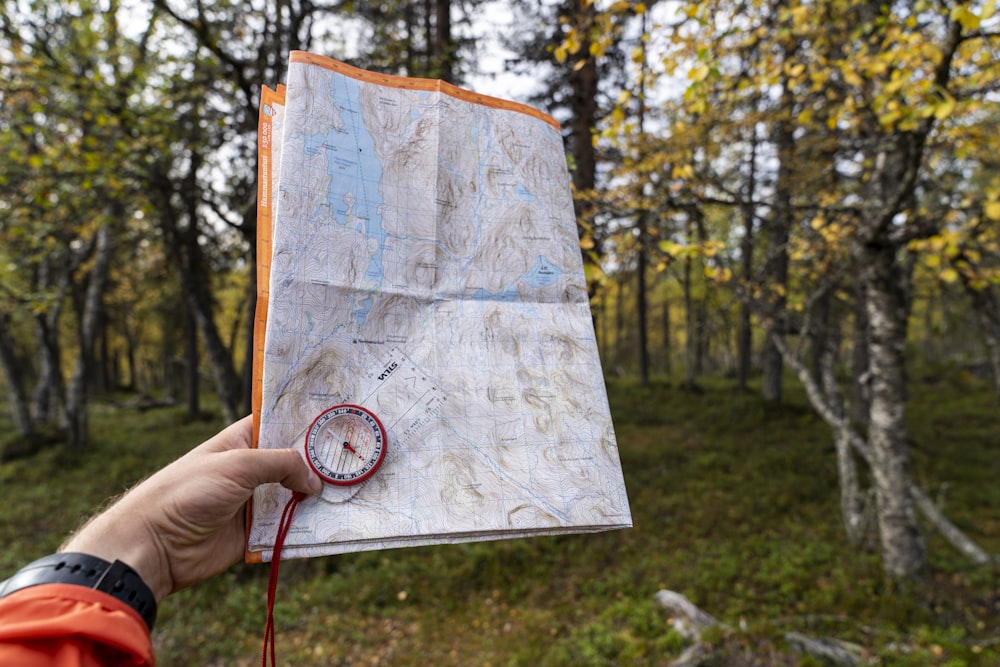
pixel 418 256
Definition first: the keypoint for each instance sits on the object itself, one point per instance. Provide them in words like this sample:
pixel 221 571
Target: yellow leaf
pixel 964 15
pixel 931 52
pixel 670 247
pixel 933 261
pixel 699 73
pixel 592 272
pixel 682 171
pixel 992 210
pixel 794 70
pixel 851 77
pixel 949 275
pixel 945 108
pixel 572 41
pixel 800 15
pixel 718 275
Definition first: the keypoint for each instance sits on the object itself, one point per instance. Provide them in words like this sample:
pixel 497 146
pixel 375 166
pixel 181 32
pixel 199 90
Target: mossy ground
pixel 735 506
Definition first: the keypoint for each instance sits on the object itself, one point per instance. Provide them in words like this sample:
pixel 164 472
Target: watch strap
pixel 116 579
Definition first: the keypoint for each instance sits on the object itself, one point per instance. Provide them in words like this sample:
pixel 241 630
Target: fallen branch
pixel 948 530
pixel 836 651
pixel 689 621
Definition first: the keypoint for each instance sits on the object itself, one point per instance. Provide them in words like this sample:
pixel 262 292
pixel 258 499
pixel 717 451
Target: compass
pixel 346 444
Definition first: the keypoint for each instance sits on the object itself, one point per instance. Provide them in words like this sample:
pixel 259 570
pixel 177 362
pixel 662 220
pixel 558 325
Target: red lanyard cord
pixel 272 584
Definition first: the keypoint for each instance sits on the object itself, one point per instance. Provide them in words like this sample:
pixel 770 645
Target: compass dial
pixel 346 444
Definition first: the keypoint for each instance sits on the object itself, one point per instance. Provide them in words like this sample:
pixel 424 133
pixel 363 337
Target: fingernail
pixel 315 484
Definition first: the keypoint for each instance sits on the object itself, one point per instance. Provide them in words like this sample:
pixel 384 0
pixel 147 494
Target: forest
pixel 787 207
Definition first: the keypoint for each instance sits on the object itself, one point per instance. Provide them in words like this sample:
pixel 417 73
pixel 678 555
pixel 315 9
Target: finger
pixel 260 466
pixel 238 435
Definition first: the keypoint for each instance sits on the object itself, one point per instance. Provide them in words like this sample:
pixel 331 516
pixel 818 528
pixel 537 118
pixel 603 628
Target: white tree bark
pixel 76 390
pixel 851 502
pixel 902 547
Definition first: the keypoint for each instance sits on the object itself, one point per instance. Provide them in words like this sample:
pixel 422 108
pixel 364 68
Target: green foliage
pixel 734 504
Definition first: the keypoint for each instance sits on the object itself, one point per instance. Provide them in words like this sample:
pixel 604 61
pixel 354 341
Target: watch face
pixel 346 444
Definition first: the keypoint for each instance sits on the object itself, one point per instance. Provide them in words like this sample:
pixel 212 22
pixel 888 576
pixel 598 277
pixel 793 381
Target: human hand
pixel 185 523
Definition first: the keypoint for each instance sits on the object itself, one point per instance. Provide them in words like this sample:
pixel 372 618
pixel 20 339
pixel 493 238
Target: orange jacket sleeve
pixel 64 625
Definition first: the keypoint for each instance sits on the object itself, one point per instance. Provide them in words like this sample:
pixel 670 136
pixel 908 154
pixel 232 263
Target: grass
pixel 734 503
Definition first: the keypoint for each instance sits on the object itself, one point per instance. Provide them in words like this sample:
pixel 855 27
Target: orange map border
pixel 265 222
pixel 412 83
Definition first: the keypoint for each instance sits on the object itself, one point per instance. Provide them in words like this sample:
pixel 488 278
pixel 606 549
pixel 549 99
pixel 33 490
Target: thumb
pixel 260 466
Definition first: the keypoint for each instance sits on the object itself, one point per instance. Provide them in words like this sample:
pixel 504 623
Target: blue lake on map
pixel 354 169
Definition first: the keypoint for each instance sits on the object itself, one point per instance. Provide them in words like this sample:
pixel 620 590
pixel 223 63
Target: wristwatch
pixel 116 579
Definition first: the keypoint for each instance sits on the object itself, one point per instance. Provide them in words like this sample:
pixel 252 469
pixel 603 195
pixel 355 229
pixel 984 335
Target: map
pixel 418 256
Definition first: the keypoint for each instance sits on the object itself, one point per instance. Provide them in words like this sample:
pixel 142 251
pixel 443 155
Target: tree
pixel 68 182
pixel 843 106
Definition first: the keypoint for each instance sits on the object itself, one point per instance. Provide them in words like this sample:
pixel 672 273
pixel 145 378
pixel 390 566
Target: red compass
pixel 346 444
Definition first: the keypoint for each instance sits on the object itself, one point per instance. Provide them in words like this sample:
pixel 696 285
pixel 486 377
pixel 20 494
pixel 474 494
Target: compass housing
pixel 346 444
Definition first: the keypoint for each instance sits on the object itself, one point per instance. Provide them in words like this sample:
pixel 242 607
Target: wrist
pixel 116 579
pixel 112 537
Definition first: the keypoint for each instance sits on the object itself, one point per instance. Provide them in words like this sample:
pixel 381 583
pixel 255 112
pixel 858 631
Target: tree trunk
pixel 444 47
pixel 170 382
pixel 12 374
pixel 701 329
pixel 667 365
pixel 776 270
pixel 183 247
pixel 861 385
pixel 583 83
pixel 103 377
pixel 825 374
pixel 49 387
pixel 902 547
pixel 819 330
pixel 76 390
pixel 987 309
pixel 690 326
pixel 640 302
pixel 130 346
pixel 744 345
pixel 619 319
pixel 191 363
pixel 247 402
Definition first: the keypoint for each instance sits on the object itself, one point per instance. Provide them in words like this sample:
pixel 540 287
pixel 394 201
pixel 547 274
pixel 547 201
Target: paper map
pixel 418 256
